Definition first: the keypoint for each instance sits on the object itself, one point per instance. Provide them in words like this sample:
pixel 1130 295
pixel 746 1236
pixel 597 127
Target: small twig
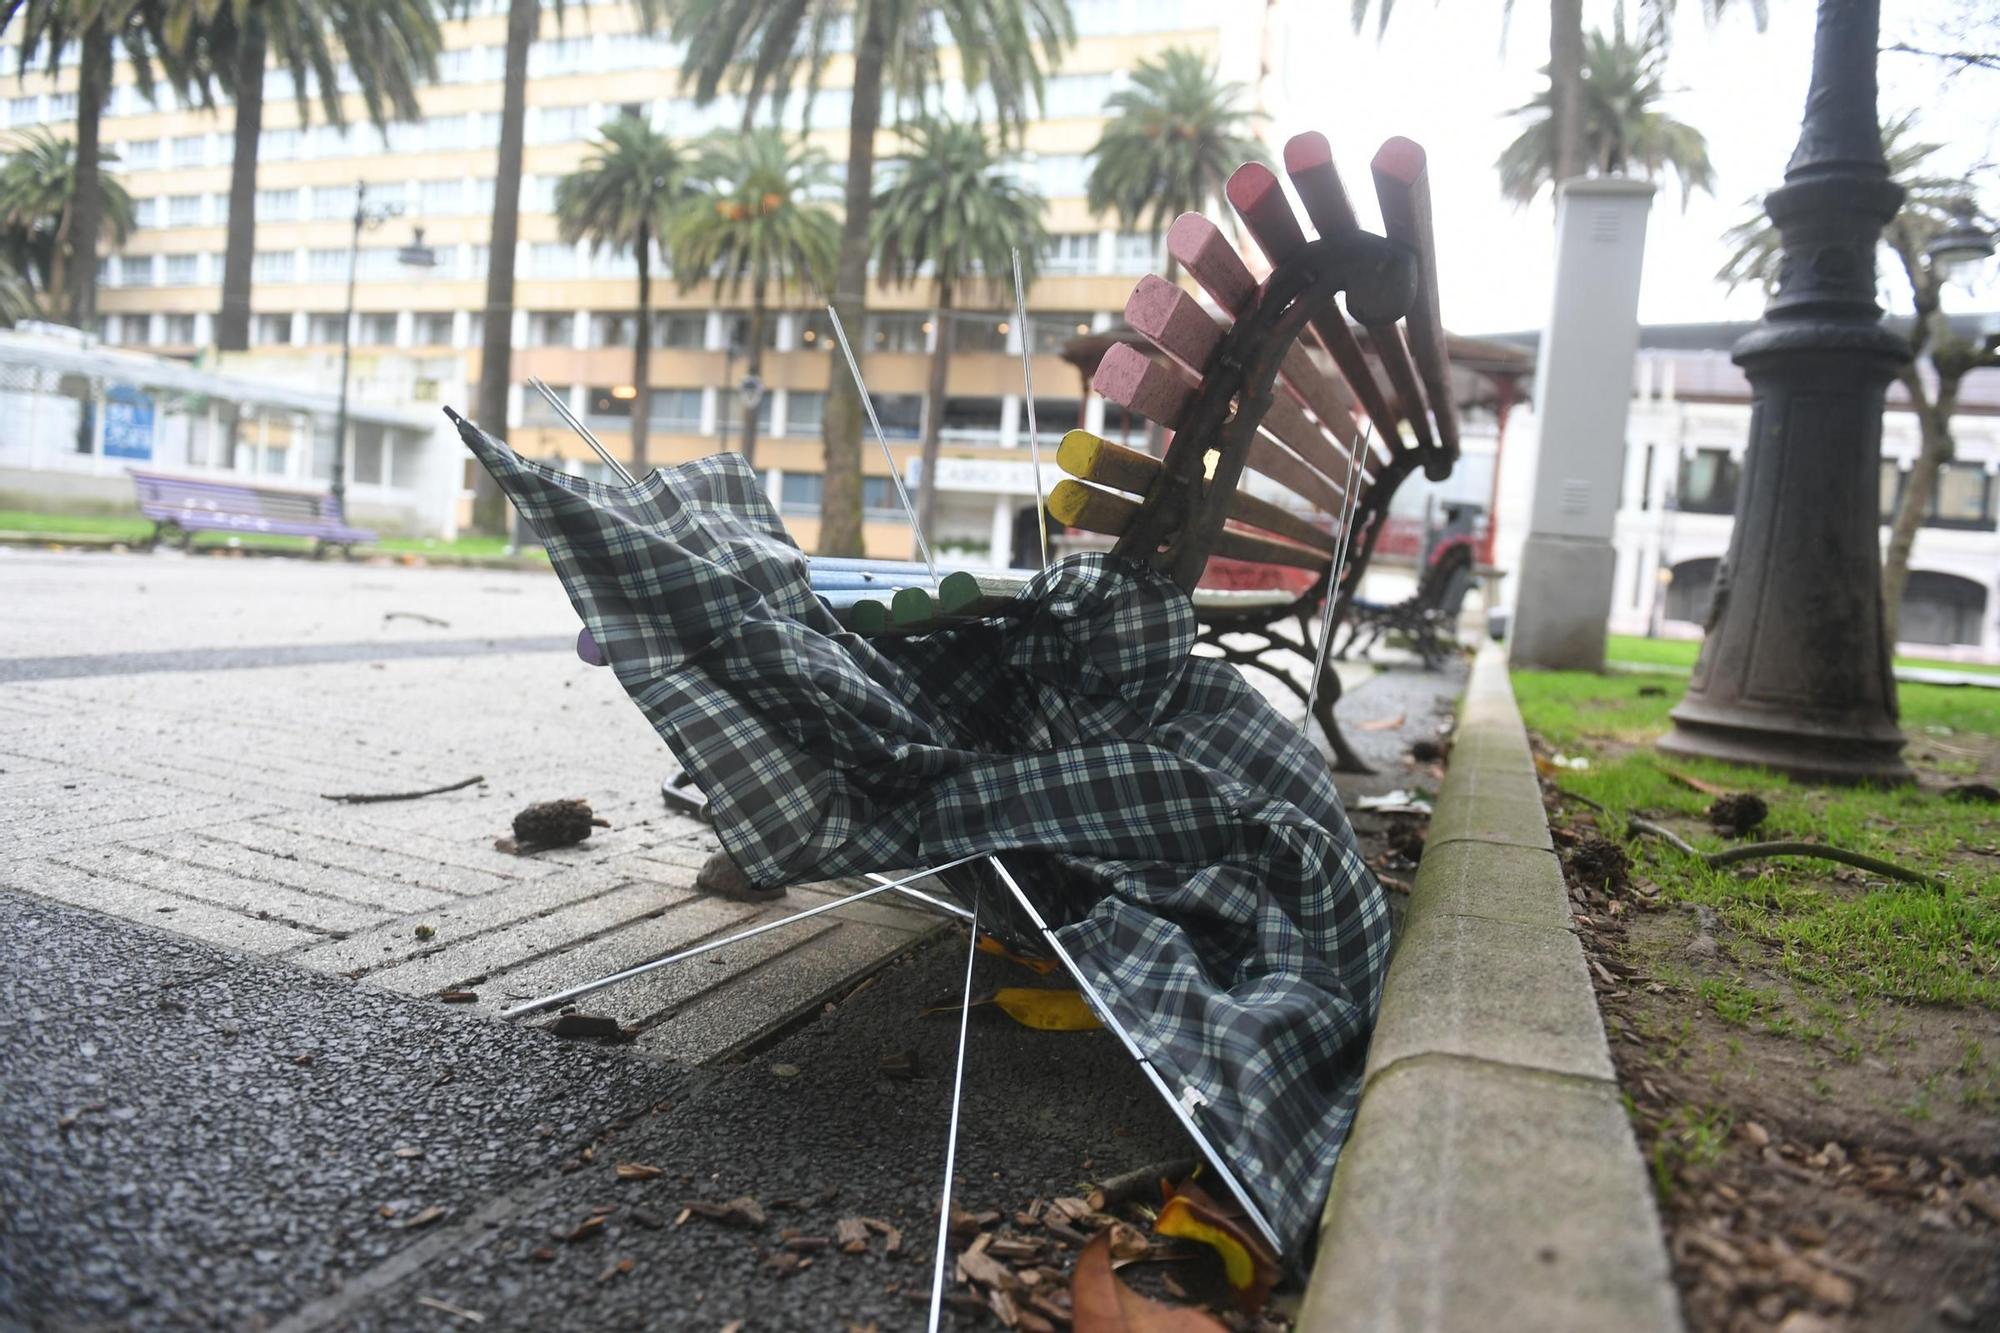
pixel 1143 1183
pixel 1752 851
pixel 367 798
pixel 388 616
pixel 470 1316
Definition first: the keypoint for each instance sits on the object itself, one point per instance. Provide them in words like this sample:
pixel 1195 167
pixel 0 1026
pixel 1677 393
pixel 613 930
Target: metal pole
pixel 1794 673
pixel 347 354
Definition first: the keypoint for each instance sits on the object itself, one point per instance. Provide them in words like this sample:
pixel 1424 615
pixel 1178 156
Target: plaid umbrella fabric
pixel 1185 841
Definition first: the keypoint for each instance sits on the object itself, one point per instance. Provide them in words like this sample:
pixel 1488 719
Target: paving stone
pixel 451 959
pixel 138 902
pixel 368 890
pixel 464 918
pixel 1519 884
pixel 258 898
pixel 447 880
pixel 49 834
pixel 1492 990
pixel 1473 1197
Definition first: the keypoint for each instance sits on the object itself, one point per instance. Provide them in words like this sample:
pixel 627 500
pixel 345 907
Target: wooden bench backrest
pixel 1255 396
pixel 165 492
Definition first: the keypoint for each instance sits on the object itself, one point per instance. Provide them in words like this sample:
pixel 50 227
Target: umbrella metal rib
pixel 590 987
pixel 951 1135
pixel 569 418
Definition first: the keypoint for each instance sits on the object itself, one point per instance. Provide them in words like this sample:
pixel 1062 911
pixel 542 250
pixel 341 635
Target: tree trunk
pixel 934 396
pixel 642 355
pixel 753 369
pixel 840 494
pixel 232 323
pixel 1914 506
pixel 87 208
pixel 1566 85
pixel 496 358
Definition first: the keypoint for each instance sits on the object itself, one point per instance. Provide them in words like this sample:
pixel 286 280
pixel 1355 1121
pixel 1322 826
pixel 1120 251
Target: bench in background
pixel 182 506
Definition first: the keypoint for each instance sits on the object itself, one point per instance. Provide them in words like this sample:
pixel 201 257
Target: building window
pixel 729 412
pixel 1078 94
pixel 135 271
pixel 901 414
pixel 562 124
pixel 332 201
pixel 431 328
pixel 680 329
pixel 62 106
pixel 535 409
pixel 677 410
pixel 365 462
pixel 816 332
pixel 971 419
pixel 445 198
pixel 1053 331
pixel 980 334
pixel 879 499
pixel 1062 175
pixel 1708 482
pixel 277 146
pixel 1136 252
pixel 377 330
pixel 613 404
pixel 271 330
pixel 805 411
pixel 141 154
pixel 1070 252
pixel 184 210
pixel 551 260
pixel 1963 497
pixel 278 205
pixel 180 330
pixel 1891 489
pixel 326 266
pixel 182 270
pixel 326 330
pixel 611 330
pixel 551 328
pixel 190 150
pixel 799 493
pixel 901 333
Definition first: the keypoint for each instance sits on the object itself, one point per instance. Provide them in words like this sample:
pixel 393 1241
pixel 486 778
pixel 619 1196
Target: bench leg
pixel 1345 760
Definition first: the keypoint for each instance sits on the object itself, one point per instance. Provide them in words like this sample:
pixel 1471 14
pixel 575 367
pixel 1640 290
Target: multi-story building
pixel 575 310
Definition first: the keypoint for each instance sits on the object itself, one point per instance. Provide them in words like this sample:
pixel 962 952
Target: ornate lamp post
pixel 1794 672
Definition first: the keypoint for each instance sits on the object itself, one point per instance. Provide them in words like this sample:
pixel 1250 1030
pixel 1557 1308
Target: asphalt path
pixel 191 1138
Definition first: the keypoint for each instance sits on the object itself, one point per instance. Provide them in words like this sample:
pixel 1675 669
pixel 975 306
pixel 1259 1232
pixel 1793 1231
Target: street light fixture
pixel 1963 243
pixel 414 255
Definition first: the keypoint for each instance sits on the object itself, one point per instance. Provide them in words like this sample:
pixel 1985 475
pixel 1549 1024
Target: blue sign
pixel 128 423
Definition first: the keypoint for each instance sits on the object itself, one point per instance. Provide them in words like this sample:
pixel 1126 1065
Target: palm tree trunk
pixel 754 367
pixel 496 357
pixel 232 323
pixel 87 209
pixel 934 396
pixel 1934 428
pixel 642 355
pixel 840 495
pixel 1566 85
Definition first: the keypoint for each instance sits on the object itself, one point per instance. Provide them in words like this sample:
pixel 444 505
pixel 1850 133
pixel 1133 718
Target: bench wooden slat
pixel 1161 392
pixel 1081 505
pixel 1257 197
pixel 1309 163
pixel 1089 458
pixel 1403 189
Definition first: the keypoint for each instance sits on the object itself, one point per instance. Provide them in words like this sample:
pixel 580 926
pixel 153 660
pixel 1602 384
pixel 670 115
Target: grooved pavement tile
pixel 209 852
pixel 222 889
pixel 165 911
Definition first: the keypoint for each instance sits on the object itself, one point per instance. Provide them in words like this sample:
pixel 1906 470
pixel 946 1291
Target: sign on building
pixel 128 423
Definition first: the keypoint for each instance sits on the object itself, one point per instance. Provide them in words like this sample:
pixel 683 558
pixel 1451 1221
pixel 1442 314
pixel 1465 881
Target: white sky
pixel 1441 77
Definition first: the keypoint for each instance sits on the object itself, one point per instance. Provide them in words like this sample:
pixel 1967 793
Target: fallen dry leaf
pixel 1191 1214
pixel 851 1235
pixel 1046 1010
pixel 618 1269
pixel 892 1239
pixel 635 1171
pixel 455 1311
pixel 584 1230
pixel 738 1212
pixel 1383 723
pixel 425 1218
pixel 1100 1303
pixel 458 996
pixel 1043 966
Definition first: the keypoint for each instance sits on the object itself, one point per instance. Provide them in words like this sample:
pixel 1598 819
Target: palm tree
pixel 1931 203
pixel 389 44
pixel 1171 141
pixel 1622 128
pixel 624 197
pixel 756 223
pixel 38 199
pixel 760 48
pixel 1566 66
pixel 955 208
pixel 101 29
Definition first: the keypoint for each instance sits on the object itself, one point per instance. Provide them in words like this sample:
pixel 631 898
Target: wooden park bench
pixel 1326 418
pixel 182 506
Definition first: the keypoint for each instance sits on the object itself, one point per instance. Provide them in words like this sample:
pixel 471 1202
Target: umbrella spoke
pixel 951 1135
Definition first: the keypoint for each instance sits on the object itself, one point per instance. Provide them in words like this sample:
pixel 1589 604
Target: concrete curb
pixel 1492 1181
pixel 443 560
